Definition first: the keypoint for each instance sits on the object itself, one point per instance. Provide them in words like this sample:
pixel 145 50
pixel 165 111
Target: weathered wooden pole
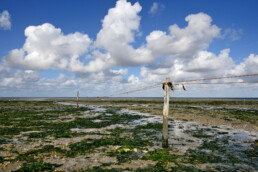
pixel 77 99
pixel 165 114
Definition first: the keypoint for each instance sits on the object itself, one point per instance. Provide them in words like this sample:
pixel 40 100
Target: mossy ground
pixel 46 136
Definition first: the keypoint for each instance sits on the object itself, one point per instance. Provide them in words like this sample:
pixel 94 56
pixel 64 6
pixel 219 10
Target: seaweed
pixel 212 145
pixel 99 169
pixel 1 159
pixel 37 166
pixel 162 156
pixel 159 167
pixel 89 145
pixel 30 155
pixel 153 126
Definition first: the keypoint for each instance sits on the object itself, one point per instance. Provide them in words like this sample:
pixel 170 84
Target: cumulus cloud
pixel 119 24
pixel 207 62
pixel 248 66
pixel 181 42
pixel 119 27
pixel 18 79
pixel 203 64
pixel 5 20
pixel 156 7
pixel 46 47
pixel 186 42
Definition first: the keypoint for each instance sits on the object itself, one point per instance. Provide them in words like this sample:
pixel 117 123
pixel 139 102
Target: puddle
pixel 182 134
pixel 143 105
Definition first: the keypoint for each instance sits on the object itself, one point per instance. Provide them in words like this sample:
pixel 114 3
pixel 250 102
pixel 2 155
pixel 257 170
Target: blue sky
pixel 54 48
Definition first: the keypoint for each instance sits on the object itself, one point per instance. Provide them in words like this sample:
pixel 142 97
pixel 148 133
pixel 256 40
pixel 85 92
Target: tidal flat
pixel 126 135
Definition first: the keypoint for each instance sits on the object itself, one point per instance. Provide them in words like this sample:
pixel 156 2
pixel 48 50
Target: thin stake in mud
pixel 77 99
pixel 166 86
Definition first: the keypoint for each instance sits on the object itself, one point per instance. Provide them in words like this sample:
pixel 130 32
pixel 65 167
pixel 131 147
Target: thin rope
pixel 220 83
pixel 202 79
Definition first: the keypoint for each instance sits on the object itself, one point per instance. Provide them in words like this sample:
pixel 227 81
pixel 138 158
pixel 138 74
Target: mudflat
pixel 238 113
pixel 126 135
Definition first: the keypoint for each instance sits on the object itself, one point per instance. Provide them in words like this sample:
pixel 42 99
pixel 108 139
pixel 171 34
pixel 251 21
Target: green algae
pixel 37 166
pixel 162 156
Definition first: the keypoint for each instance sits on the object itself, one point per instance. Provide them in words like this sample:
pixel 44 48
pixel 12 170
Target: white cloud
pixel 207 62
pixel 133 80
pixel 119 24
pixel 181 42
pixel 156 7
pixel 46 47
pixel 27 82
pixel 101 62
pixel 248 66
pixel 232 34
pixel 203 64
pixel 18 79
pixel 119 27
pixel 5 22
pixel 186 42
pixel 120 72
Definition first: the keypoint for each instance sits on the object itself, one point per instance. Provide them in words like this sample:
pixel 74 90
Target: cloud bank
pixel 180 53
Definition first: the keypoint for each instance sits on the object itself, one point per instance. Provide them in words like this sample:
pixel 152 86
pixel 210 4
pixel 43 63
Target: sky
pixel 51 48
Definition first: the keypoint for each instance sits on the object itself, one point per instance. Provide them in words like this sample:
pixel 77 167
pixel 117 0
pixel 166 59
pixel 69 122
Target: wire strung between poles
pixel 224 77
pixel 220 83
pixel 179 83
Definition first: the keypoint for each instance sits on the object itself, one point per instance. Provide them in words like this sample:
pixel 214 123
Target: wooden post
pixel 165 114
pixel 77 99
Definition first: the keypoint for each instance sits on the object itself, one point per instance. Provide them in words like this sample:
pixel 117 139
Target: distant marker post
pixel 77 99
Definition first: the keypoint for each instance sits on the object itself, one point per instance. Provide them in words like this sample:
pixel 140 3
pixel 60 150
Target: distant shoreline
pixel 130 98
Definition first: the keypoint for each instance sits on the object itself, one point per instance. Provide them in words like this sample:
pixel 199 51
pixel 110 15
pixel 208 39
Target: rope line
pixel 133 91
pixel 183 83
pixel 202 79
pixel 220 83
